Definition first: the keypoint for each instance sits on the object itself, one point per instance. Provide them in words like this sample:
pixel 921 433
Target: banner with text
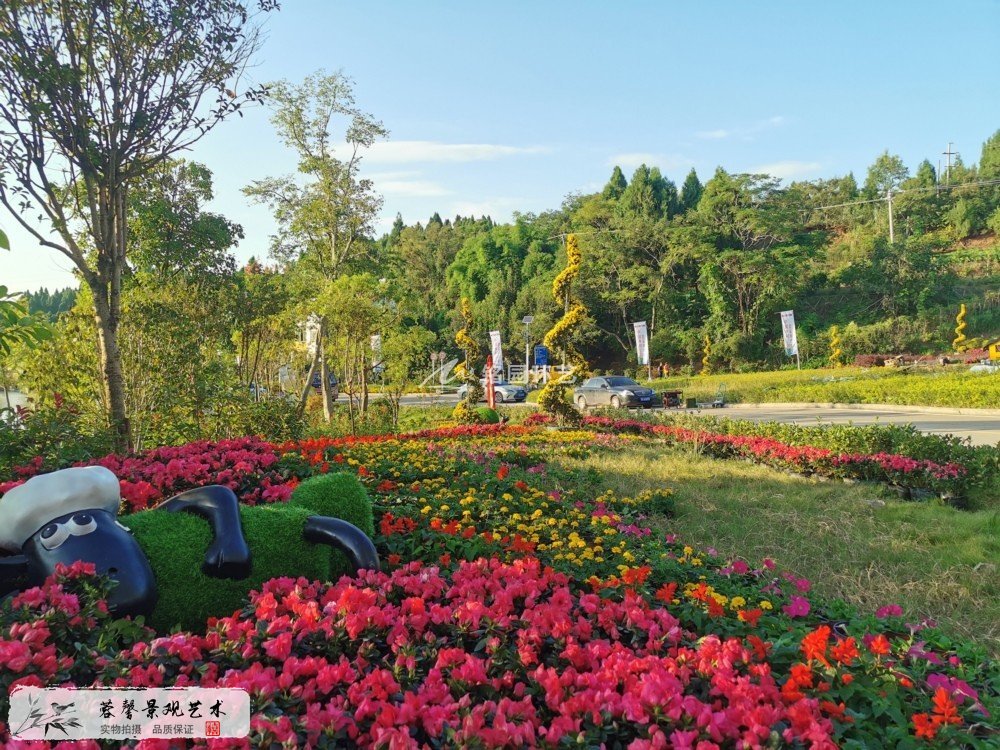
pixel 497 352
pixel 788 329
pixel 128 713
pixel 641 342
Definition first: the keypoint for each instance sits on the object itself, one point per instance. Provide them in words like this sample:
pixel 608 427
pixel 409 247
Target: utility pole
pixel 888 198
pixel 949 153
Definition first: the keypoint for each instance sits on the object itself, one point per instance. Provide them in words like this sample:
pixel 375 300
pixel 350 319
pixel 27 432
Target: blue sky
pixel 496 107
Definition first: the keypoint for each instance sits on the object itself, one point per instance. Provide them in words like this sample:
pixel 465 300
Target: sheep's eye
pixel 82 523
pixel 54 534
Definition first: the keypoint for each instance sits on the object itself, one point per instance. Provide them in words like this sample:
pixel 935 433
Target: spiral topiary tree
pixel 466 409
pixel 959 342
pixel 706 359
pixel 554 397
pixel 835 350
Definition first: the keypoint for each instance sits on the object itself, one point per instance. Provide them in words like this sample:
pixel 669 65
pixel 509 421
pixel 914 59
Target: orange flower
pixel 801 675
pixel 924 727
pixel 845 651
pixel 666 592
pixel 879 645
pixel 751 616
pixel 760 648
pixel 503 471
pixel 815 643
pixel 633 576
pixel 847 679
pixel 436 524
pixel 715 609
pixel 945 710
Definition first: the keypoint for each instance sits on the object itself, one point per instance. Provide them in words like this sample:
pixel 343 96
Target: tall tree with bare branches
pixel 94 94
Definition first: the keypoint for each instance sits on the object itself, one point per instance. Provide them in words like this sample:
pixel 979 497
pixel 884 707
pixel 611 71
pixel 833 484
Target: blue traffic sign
pixel 541 356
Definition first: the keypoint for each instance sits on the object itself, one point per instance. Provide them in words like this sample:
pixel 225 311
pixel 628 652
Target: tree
pixel 323 226
pixel 887 173
pixel 18 326
pixel 93 97
pixel 616 185
pixel 171 235
pixel 691 191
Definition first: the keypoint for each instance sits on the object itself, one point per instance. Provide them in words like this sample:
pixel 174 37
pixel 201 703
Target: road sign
pixel 541 356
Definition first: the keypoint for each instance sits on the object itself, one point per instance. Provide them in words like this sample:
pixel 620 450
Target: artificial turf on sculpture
pixel 175 545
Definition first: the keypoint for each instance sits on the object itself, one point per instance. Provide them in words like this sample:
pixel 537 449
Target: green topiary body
pixel 175 544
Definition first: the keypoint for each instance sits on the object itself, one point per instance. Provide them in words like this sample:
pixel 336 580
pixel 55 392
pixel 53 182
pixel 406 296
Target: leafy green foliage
pixel 175 544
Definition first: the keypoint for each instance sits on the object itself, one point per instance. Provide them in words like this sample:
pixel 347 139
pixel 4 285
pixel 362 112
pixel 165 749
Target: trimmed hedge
pixel 175 544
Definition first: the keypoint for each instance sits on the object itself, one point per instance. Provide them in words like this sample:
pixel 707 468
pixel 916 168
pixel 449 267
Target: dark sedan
pixel 615 391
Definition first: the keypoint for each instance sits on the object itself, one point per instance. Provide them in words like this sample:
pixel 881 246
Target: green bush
pixel 338 495
pixel 486 415
pixel 175 544
pixel 55 432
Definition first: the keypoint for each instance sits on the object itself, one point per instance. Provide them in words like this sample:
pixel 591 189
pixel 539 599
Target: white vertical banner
pixel 641 342
pixel 376 344
pixel 788 329
pixel 497 351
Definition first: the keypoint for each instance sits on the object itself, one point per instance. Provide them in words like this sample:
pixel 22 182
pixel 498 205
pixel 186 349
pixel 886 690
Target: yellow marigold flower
pixel 688 551
pixel 425 510
pixel 737 601
pixel 765 604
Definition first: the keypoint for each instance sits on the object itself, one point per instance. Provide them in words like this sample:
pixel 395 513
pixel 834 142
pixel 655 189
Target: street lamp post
pixel 527 320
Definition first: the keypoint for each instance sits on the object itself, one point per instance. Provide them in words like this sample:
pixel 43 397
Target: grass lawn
pixel 839 536
pixel 933 386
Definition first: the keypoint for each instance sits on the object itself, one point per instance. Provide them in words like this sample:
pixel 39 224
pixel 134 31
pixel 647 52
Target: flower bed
pixel 945 479
pixel 518 606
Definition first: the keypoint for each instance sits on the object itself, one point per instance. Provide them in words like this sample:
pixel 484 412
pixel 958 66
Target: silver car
pixel 503 392
pixel 615 391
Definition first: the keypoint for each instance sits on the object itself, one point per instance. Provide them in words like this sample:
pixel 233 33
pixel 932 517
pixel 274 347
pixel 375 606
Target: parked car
pixel 615 391
pixel 334 385
pixel 502 390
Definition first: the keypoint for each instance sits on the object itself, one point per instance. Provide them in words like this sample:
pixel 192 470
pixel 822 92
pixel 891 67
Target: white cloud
pixel 746 132
pixel 631 160
pixel 787 170
pixel 409 152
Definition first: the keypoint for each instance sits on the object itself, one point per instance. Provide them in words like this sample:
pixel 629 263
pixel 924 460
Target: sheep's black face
pixel 95 536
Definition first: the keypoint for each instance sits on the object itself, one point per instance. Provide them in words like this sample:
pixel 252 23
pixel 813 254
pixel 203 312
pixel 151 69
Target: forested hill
pixel 722 257
pixel 51 304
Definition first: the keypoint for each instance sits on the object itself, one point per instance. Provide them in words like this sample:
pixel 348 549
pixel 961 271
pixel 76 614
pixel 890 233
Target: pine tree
pixel 616 185
pixel 691 191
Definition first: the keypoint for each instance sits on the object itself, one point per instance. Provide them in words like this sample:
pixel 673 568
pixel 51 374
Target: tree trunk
pixel 304 396
pixel 107 309
pixel 325 385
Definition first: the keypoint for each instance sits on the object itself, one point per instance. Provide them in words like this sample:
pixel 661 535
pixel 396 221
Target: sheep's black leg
pixel 228 556
pixel 346 537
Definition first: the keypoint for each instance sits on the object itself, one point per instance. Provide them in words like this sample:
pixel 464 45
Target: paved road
pixel 980 429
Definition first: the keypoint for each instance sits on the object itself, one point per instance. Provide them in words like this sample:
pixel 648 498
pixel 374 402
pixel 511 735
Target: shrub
pixel 338 495
pixel 175 544
pixel 486 415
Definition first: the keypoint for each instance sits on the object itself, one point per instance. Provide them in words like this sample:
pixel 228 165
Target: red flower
pixel 845 651
pixel 666 592
pixel 751 616
pixel 814 644
pixel 945 710
pixel 924 727
pixel 879 645
pixel 503 471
